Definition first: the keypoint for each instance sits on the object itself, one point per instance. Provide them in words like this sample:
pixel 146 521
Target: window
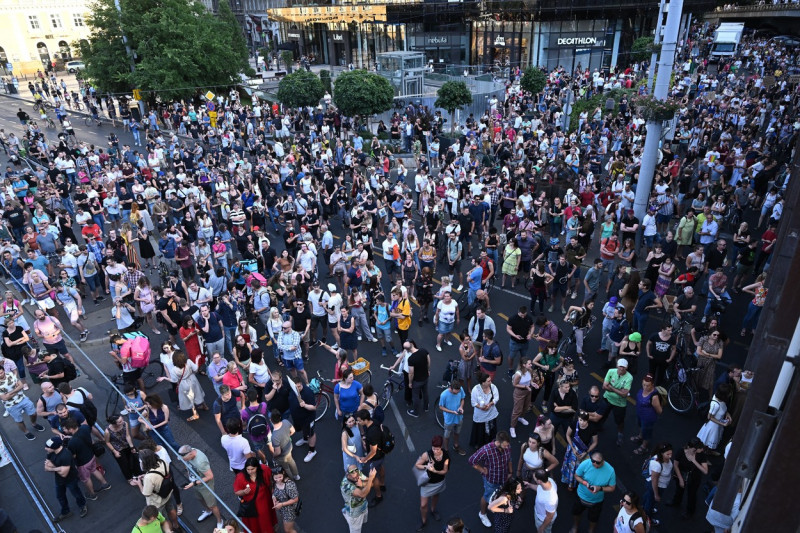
pixel 55 20
pixel 33 20
pixel 77 19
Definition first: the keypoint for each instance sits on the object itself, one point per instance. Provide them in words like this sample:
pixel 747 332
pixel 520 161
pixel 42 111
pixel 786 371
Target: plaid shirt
pixel 288 339
pixel 496 460
pixel 494 196
pixel 132 277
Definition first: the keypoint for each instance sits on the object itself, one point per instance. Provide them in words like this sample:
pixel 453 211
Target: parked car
pixel 75 66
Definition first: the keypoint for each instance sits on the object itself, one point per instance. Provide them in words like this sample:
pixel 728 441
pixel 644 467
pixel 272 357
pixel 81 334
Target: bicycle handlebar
pixel 393 371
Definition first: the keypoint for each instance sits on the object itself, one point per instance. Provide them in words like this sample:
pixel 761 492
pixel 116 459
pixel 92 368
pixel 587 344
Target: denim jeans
pixel 640 321
pixel 230 333
pixel 515 348
pixel 164 436
pixel 75 489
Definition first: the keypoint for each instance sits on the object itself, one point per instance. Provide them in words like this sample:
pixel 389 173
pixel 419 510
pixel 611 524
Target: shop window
pixel 33 20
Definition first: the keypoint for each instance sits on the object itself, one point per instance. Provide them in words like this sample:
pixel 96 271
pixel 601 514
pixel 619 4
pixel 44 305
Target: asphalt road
pixel 319 487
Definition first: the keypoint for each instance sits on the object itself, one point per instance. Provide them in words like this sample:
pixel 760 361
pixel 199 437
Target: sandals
pixel 641 450
pixel 636 438
pixel 180 509
pixel 743 332
pixel 193 418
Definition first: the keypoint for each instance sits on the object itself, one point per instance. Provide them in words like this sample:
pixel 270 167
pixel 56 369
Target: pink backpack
pixel 138 350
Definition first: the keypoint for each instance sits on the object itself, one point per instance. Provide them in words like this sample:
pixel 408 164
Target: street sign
pixel 209 95
pixel 211 106
pixel 137 95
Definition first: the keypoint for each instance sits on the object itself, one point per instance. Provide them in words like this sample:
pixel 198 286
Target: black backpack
pixel 378 414
pixel 387 440
pixel 87 408
pixel 70 372
pixel 257 425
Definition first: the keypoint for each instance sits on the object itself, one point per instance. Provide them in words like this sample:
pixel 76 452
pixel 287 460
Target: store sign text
pixel 500 41
pixel 438 40
pixel 567 41
pixel 338 37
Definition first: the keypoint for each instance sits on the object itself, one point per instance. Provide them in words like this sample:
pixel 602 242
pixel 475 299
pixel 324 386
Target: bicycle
pixel 322 395
pixel 466 309
pixel 91 120
pixel 51 125
pixel 394 383
pixel 567 347
pixel 682 393
pixel 150 375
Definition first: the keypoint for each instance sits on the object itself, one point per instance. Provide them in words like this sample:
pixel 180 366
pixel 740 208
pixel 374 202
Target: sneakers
pixel 297 477
pixel 485 520
pixel 84 335
pixel 205 514
pixel 335 346
pixel 512 432
pixel 523 421
pixel 374 339
pixel 459 450
pixel 360 338
pixel 103 488
pixel 438 348
pixel 375 501
pixel 63 516
pixel 383 352
pixel 549 310
pixel 301 442
pixel 5 414
pixel 84 511
pixel 92 497
pixel 460 288
pixel 413 413
pixel 38 427
pixel 372 330
pixel 309 456
pixel 448 341
pixel 574 294
pixel 582 359
pixel 30 436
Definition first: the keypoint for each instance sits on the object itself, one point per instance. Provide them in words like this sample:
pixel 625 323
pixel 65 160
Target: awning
pixel 288 45
pixel 325 14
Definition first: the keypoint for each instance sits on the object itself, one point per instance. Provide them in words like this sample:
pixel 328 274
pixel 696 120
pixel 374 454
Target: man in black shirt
pixel 520 329
pixel 629 225
pixel 61 463
pixel 694 464
pixel 304 409
pixel 419 365
pixel 467 225
pixel 685 305
pixel 301 323
pixel 80 444
pixel 226 406
pixel 596 406
pixel 16 218
pixel 373 437
pixel 277 392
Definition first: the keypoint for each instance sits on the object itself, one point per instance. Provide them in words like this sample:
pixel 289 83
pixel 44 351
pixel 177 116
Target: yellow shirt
pixel 404 307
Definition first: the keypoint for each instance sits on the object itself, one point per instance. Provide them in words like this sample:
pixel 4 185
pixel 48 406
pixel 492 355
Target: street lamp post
pixel 130 56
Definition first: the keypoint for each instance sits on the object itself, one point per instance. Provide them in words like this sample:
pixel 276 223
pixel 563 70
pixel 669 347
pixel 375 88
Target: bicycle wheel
pixel 322 401
pixel 680 397
pixel 566 348
pixel 88 121
pixel 386 396
pixel 439 417
pixel 364 377
pixel 112 404
pixel 489 285
pixel 151 374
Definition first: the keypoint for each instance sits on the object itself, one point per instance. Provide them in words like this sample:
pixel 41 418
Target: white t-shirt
pixel 447 312
pixel 665 469
pixel 622 522
pixel 546 502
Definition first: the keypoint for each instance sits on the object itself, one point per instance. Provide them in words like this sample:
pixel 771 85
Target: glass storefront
pixel 575 44
pixel 501 45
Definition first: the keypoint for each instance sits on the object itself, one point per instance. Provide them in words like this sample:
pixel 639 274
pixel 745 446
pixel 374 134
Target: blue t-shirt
pixel 599 477
pixel 383 314
pixel 646 299
pixel 475 278
pixel 214 331
pixel 398 208
pixel 349 398
pixel 451 401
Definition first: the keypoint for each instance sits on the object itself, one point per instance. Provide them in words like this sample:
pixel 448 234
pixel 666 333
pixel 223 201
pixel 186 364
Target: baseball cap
pixel 54 443
pixel 613 300
pixel 332 287
pixel 622 362
pixel 635 337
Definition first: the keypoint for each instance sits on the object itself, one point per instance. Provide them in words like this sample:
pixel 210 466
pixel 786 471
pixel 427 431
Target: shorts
pixel 25 407
pixel 113 216
pixel 663 219
pixel 59 347
pixel 455 267
pixel 619 413
pixel 85 471
pixel 296 364
pixel 444 327
pixel 452 428
pixel 307 429
pixel 489 489
pixel 594 509
pixel 91 282
pixel 376 464
pixel 525 266
pixel 132 377
pixel 385 334
pixel 205 496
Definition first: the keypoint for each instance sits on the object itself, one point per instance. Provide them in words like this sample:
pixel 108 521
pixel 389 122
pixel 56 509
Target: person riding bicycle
pixel 581 319
pixel 95 113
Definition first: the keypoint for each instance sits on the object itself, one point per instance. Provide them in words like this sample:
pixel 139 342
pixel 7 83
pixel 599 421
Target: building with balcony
pixel 36 33
pixel 489 34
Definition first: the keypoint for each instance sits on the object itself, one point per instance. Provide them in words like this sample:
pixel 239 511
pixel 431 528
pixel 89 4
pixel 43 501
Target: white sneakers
pixel 301 442
pixel 485 520
pixel 205 514
pixel 512 432
pixel 309 456
pixel 523 421
pixel 297 477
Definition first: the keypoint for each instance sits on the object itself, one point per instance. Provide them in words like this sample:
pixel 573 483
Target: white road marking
pixel 402 426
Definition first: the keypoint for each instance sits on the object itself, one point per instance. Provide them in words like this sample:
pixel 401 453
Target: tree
pixel 300 89
pixel 358 92
pixel 325 76
pixel 533 80
pixel 288 59
pixel 642 49
pixel 453 95
pixel 178 47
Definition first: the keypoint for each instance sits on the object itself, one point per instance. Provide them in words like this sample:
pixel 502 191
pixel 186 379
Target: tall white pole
pixel 651 73
pixel 651 145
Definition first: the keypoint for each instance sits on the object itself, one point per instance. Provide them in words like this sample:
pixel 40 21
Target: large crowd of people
pixel 249 241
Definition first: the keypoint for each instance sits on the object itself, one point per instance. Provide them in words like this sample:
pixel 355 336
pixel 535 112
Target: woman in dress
pixel 253 485
pixel 718 418
pixel 348 394
pixel 505 501
pixel 190 335
pixel 648 409
pixel 484 398
pixel 146 250
pixel 666 271
pixel 546 431
pixel 540 280
pixel 654 260
pixel 285 498
pixel 708 351
pixel 129 237
pixel 581 441
pixel 532 456
pixel 190 393
pixel 469 360
pixel 347 337
pixel 511 259
pixel 146 297
pixel 118 440
pixel 628 254
pixel 352 446
pixel 436 461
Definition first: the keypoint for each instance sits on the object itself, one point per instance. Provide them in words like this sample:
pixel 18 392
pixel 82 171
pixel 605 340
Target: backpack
pixel 646 467
pixel 387 440
pixel 70 372
pixel 450 371
pixel 257 423
pixel 662 396
pixel 87 408
pixel 165 489
pixel 138 350
pixel 645 519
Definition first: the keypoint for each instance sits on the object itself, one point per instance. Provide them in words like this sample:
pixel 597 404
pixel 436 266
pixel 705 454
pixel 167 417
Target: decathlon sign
pixel 579 41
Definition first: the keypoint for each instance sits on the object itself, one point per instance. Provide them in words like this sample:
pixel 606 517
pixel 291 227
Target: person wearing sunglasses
pixel 595 477
pixel 631 516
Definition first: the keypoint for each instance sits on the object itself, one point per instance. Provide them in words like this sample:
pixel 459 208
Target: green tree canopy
pixel 453 95
pixel 533 80
pixel 359 92
pixel 302 88
pixel 178 46
pixel 642 49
